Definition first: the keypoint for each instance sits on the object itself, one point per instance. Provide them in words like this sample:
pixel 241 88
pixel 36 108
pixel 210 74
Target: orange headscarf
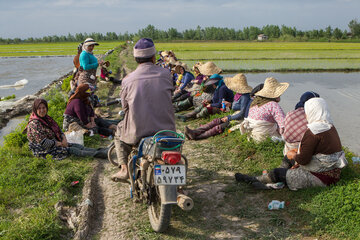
pixel 81 93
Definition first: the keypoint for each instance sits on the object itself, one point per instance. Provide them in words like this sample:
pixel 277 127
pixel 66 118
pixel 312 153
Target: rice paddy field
pixel 270 56
pixel 50 49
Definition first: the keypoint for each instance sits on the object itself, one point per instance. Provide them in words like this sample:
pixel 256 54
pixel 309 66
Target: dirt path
pixel 223 209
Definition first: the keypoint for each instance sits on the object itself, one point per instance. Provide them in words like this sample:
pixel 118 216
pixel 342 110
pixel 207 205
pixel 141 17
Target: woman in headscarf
pixel 266 117
pixel 185 82
pixel 80 111
pixel 295 125
pixel 238 84
pixel 88 63
pixel 45 137
pixel 222 92
pixel 318 161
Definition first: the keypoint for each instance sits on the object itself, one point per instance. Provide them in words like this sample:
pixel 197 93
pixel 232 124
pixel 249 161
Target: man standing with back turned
pixel 146 101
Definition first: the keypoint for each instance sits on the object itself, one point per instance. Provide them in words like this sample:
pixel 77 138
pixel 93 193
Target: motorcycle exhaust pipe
pixel 185 202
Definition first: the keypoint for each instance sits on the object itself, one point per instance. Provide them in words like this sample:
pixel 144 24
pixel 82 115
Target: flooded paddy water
pixel 39 71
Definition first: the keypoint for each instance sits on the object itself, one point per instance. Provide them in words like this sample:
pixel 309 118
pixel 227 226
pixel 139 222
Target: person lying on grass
pixel 45 137
pixel 238 84
pixel 318 161
pixel 105 73
pixel 185 83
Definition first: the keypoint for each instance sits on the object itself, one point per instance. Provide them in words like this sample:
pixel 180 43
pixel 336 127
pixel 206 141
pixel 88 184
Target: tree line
pixel 274 32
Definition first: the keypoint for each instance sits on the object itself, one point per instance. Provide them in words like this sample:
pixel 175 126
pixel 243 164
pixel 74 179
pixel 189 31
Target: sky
pixel 38 18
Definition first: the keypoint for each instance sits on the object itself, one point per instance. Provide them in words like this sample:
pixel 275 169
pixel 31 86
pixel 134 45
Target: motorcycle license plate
pixel 170 174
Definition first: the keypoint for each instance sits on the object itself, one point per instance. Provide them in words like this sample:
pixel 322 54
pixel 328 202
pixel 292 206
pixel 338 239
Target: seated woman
pixel 238 84
pixel 266 117
pixel 295 125
pixel 196 85
pixel 80 111
pixel 319 160
pixel 185 82
pixel 105 73
pixel 45 137
pixel 222 92
pixel 204 93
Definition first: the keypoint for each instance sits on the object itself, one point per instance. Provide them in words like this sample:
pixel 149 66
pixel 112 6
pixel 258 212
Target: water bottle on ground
pixel 275 205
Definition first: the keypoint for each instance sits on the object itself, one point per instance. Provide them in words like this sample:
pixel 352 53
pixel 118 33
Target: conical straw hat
pixel 165 53
pixel 238 84
pixel 209 68
pixel 272 88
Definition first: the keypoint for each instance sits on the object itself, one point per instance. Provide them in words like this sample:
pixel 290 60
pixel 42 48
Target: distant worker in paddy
pixel 146 100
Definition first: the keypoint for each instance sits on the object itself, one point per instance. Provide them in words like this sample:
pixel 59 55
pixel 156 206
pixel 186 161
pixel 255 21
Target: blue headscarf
pixel 218 77
pixel 306 96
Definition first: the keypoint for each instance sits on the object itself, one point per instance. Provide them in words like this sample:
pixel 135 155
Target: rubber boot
pixel 209 133
pixel 210 125
pixel 102 153
pixel 245 178
pixel 176 96
pixel 182 105
pixel 203 113
pixel 191 133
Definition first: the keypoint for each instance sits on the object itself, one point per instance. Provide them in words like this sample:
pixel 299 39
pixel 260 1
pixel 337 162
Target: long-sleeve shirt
pixel 88 61
pixel 186 80
pixel 80 110
pixel 270 112
pixel 243 103
pixel 76 60
pixel 327 142
pixel 146 100
pixel 222 93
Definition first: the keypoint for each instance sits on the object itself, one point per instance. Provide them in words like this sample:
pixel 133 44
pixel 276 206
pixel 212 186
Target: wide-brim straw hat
pixel 90 41
pixel 238 84
pixel 272 88
pixel 164 53
pixel 177 67
pixel 197 65
pixel 209 68
pixel 171 60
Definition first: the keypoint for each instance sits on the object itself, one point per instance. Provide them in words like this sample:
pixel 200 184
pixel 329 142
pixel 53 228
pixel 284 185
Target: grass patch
pixel 8 97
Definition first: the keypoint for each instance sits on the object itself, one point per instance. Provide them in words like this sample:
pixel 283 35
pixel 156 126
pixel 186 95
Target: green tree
pixel 354 27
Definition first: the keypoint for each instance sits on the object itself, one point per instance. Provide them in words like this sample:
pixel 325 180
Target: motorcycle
pixel 157 172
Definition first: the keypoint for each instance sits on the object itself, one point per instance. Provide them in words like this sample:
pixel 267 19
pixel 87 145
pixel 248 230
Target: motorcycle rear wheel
pixel 159 214
pixel 112 157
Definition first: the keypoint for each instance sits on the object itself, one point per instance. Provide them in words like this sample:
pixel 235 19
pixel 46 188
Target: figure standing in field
pixel 76 61
pixel 88 63
pixel 146 102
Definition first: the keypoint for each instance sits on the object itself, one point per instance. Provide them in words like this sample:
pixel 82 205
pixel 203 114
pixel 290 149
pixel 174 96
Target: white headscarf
pixel 318 115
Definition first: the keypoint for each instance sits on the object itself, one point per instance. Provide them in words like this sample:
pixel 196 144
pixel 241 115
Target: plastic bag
pixel 75 137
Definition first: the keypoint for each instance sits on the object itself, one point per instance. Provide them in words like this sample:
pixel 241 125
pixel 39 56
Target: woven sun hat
pixel 89 41
pixel 238 84
pixel 178 66
pixel 164 53
pixel 272 88
pixel 172 61
pixel 197 65
pixel 209 68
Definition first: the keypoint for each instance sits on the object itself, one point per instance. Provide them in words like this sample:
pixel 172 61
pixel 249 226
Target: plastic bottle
pixel 264 172
pixel 223 105
pixel 356 160
pixel 275 205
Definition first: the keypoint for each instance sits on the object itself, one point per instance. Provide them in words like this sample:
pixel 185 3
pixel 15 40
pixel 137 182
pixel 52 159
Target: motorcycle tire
pixel 112 157
pixel 159 215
